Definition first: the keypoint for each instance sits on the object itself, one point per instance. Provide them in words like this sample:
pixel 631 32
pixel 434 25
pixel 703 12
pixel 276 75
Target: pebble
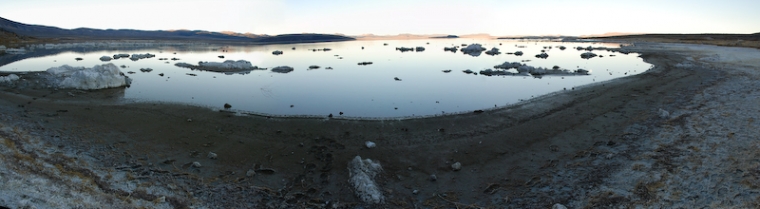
pixel 196 164
pixel 456 166
pixel 250 173
pixel 415 191
pixel 370 144
pixel 189 120
pixel 433 177
pixel 211 155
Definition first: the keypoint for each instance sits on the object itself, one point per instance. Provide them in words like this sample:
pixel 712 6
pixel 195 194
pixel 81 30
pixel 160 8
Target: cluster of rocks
pixel 523 69
pixel 493 51
pixel 136 57
pixel 226 66
pixel 473 50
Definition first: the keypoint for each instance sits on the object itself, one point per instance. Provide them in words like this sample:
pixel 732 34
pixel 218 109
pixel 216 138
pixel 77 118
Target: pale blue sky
pixel 390 17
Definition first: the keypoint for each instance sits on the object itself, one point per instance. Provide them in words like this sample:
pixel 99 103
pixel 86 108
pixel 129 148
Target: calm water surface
pixel 355 90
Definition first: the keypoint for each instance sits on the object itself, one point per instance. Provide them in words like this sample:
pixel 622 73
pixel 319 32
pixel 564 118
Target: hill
pixel 55 33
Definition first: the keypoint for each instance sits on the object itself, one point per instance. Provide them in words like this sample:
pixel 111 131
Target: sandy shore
pixel 680 135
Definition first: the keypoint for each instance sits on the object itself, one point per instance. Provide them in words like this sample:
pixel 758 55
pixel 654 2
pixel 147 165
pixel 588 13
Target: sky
pixel 391 17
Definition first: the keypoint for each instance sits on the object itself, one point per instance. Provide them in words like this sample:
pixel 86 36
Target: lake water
pixel 368 91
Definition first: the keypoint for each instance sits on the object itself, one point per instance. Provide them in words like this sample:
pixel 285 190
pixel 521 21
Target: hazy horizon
pixel 394 17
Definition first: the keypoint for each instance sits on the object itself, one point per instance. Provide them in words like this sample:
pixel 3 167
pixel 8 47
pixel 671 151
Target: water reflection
pixel 396 84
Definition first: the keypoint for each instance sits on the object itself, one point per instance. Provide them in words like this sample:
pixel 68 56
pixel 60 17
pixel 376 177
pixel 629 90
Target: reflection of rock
pixel 282 69
pixel 446 71
pixel 314 67
pixel 365 63
pixel 105 58
pixel 277 52
pixel 145 70
pixel 493 51
pixel 221 56
pixel 588 55
pixel 542 55
pixel 473 50
pixel 226 66
pixel 451 49
pixel 78 59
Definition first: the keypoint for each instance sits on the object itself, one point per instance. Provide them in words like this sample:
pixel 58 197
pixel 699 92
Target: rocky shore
pixel 679 135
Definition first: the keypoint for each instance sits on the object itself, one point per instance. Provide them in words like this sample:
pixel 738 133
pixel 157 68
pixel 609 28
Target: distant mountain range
pixel 55 33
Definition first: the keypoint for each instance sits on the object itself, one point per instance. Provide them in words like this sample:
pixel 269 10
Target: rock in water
pixel 227 106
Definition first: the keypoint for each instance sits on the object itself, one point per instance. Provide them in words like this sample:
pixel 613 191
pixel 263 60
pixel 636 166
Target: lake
pixel 366 91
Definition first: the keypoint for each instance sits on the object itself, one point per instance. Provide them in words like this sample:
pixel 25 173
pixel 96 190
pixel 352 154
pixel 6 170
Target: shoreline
pixel 542 148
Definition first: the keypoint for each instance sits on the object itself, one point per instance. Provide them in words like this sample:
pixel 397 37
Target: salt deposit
pixel 226 66
pixel 97 77
pixel 8 78
pixel 361 174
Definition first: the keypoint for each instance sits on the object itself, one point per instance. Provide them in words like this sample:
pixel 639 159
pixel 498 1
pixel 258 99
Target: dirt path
pixel 595 146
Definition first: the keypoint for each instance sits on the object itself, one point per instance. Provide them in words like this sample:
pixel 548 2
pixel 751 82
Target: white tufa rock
pixel 558 206
pixel 361 176
pixel 8 78
pixel 663 113
pixel 370 144
pixel 229 64
pixel 97 77
pixel 211 155
pixel 456 166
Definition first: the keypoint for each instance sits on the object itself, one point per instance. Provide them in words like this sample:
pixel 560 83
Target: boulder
pixel 282 69
pixel 473 50
pixel 588 55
